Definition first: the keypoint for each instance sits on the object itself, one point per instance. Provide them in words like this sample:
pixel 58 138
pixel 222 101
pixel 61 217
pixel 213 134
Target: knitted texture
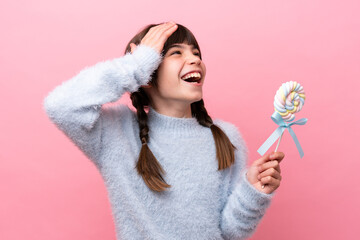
pixel 202 203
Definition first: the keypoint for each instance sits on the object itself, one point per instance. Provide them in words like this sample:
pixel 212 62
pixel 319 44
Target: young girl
pixel 171 171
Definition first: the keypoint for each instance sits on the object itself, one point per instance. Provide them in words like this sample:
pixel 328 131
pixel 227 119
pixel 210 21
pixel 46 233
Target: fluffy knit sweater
pixel 202 203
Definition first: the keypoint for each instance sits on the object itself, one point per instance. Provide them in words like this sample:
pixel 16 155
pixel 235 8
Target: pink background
pixel 49 190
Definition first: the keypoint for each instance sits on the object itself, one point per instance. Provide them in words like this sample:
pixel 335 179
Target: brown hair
pixel 148 166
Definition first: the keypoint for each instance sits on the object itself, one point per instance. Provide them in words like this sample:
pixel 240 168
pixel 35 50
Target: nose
pixel 193 59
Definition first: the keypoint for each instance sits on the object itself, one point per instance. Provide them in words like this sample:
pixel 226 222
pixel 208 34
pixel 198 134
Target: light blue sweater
pixel 203 203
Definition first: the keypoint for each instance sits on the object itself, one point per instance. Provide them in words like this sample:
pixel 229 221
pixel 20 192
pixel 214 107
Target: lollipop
pixel 289 99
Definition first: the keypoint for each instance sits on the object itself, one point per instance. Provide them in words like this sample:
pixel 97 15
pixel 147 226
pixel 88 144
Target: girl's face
pixel 180 76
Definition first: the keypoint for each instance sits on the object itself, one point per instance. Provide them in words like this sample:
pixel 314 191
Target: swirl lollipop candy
pixel 289 99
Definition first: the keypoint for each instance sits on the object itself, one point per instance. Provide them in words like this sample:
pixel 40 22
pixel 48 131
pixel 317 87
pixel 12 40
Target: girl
pixel 171 171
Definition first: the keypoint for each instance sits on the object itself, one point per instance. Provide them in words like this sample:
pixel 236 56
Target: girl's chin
pixel 196 99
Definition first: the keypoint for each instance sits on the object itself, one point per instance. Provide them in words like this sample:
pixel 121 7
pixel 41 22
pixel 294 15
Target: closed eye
pixel 197 54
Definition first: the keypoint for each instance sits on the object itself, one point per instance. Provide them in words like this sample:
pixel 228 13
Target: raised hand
pixel 157 36
pixel 264 173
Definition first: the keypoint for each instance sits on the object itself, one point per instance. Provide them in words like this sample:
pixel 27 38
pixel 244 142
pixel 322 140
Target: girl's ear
pixel 132 47
pixel 147 86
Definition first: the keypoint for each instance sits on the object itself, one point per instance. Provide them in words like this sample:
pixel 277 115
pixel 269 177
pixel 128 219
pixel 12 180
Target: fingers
pixel 271 172
pixel 278 156
pixel 162 28
pixel 261 160
pixel 157 36
pixel 270 182
pixel 164 31
pixel 265 166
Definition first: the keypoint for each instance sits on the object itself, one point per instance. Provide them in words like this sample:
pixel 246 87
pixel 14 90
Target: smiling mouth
pixel 193 80
pixel 194 77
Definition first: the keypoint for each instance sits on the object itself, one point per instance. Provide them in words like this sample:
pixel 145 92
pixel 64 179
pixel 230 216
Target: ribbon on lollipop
pixel 289 99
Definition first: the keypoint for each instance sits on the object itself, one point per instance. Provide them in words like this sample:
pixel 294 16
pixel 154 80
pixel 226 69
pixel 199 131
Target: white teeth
pixel 190 75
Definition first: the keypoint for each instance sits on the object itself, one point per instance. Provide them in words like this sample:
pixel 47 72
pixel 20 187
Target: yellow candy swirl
pixel 289 100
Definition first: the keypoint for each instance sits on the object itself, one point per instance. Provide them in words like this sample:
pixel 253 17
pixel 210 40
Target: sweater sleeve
pixel 75 105
pixel 245 205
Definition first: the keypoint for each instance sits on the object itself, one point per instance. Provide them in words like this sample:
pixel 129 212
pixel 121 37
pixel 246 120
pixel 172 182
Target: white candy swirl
pixel 289 100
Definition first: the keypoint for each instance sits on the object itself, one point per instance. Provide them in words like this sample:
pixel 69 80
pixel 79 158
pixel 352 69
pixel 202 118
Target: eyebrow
pixel 181 46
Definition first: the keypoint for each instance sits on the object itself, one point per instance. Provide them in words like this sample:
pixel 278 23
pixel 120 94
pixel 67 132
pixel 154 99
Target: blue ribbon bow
pixel 276 117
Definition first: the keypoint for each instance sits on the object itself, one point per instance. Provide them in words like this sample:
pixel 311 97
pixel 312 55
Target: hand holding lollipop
pixel 289 99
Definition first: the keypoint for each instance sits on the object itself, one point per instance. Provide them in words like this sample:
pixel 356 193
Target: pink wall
pixel 49 190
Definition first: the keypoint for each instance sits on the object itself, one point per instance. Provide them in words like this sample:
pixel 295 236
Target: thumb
pixel 132 47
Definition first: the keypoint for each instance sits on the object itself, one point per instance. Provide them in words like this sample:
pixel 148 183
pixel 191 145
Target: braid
pixel 139 100
pixel 199 112
pixel 224 147
pixel 147 166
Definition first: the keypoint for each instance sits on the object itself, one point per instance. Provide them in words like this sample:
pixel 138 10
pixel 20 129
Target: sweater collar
pixel 172 125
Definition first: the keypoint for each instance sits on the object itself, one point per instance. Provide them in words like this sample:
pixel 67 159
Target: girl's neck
pixel 177 111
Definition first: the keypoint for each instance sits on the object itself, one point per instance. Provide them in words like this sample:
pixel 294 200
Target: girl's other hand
pixel 264 173
pixel 157 36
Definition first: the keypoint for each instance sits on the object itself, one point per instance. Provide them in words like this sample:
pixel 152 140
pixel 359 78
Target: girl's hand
pixel 157 36
pixel 264 173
